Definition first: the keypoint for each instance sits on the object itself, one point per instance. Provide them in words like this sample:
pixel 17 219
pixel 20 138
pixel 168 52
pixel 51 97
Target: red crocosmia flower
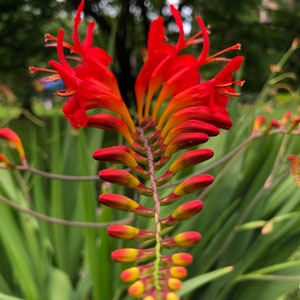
pixel 167 75
pixel 176 110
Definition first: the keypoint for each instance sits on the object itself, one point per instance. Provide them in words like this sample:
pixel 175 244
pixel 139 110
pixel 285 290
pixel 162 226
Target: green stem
pixel 156 199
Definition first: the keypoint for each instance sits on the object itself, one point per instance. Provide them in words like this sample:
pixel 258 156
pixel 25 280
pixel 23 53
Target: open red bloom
pixel 168 75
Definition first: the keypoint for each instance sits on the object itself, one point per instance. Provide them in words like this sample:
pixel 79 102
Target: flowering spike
pixel 176 110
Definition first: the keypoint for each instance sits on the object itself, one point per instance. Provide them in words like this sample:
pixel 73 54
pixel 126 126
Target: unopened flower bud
pixel 185 160
pixel 185 140
pixel 136 289
pixel 134 273
pixel 14 141
pixel 173 284
pixel 5 160
pixel 257 125
pixel 124 203
pixel 132 255
pixel 127 232
pixel 175 272
pixel 110 122
pixel 191 126
pixel 130 275
pixel 116 154
pixel 124 178
pixel 183 212
pixel 178 259
pixel 188 186
pixel 184 239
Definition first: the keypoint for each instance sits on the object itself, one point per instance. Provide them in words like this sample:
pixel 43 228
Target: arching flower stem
pixel 156 198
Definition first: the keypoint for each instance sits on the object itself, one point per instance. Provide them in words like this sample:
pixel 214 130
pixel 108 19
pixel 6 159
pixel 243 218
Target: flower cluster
pixel 176 110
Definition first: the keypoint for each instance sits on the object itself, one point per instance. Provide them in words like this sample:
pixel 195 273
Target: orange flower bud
pixel 5 160
pixel 176 272
pixel 187 210
pixel 125 255
pixel 14 141
pixel 124 232
pixel 174 284
pixel 192 126
pixel 124 178
pixel 110 122
pixel 190 158
pixel 120 177
pixel 132 255
pixel 136 289
pixel 130 275
pixel 172 296
pixel 116 154
pixel 200 113
pixel 188 186
pixel 183 212
pixel 124 203
pixel 184 239
pixel 178 259
pixel 192 184
pixel 258 123
pixel 185 140
pixel 185 160
pixel 149 298
pixel 127 232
